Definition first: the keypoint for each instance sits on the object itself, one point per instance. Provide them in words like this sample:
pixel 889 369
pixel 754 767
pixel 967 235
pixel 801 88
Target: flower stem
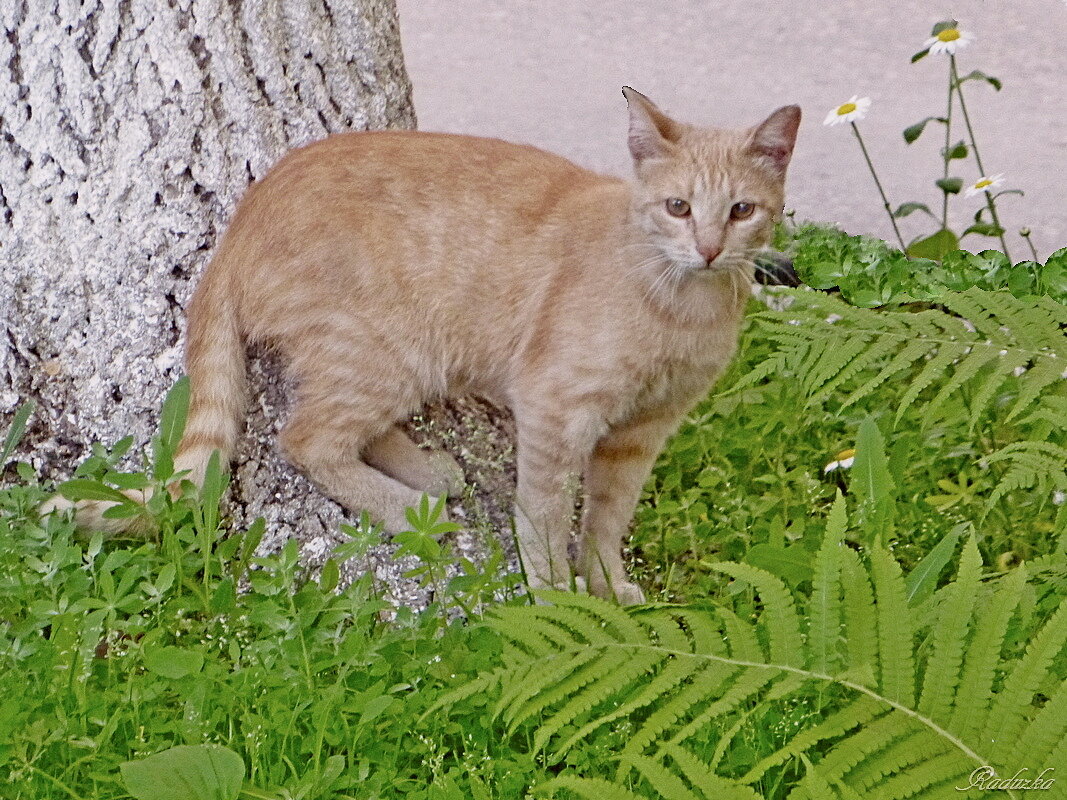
pixel 878 183
pixel 944 154
pixel 974 149
pixel 1025 233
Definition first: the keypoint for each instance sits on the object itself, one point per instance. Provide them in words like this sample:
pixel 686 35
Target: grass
pixel 111 651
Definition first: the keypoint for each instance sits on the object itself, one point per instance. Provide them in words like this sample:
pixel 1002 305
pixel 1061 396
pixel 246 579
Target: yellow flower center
pixel 983 183
pixel 949 35
pixel 844 454
pixel 847 108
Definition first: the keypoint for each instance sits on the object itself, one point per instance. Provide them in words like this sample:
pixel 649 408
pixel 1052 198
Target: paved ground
pixel 549 73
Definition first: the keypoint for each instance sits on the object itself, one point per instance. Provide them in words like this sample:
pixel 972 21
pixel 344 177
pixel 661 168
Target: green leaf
pixel 171 427
pixel 172 662
pixel 186 772
pixel 913 132
pixel 984 229
pixel 936 246
pixel 958 150
pixel 907 208
pixel 921 54
pixel 871 481
pixel 949 185
pixel 978 75
pixel 944 25
pixel 15 432
pixel 87 489
pixel 792 564
pixel 330 575
pixel 922 580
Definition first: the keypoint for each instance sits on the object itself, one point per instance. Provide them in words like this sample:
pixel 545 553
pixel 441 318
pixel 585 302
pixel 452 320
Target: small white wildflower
pixel 1058 498
pixel 1018 371
pixel 855 109
pixel 834 318
pixel 969 325
pixel 949 41
pixel 984 184
pixel 842 460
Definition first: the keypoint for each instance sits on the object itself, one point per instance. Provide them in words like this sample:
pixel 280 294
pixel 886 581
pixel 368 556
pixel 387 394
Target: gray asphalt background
pixel 549 72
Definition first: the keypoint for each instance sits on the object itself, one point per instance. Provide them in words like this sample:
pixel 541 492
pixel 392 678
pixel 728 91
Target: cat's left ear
pixel 775 137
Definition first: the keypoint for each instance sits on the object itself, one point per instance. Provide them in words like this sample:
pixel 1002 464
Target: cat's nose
pixel 709 252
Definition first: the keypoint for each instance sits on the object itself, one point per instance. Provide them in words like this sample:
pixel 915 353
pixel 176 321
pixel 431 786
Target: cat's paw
pixel 447 475
pixel 55 504
pixel 625 593
pixel 629 594
pixel 572 583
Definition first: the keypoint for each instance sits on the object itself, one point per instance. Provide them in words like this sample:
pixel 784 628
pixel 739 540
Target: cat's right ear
pixel 651 131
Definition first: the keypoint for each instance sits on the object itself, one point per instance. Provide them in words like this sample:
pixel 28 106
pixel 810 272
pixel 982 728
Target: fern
pixel 982 339
pixel 689 684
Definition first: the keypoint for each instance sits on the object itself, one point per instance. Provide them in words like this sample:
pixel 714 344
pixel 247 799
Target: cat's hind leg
pixel 325 439
pixel 431 471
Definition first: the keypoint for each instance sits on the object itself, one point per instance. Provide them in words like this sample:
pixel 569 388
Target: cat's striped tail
pixel 215 363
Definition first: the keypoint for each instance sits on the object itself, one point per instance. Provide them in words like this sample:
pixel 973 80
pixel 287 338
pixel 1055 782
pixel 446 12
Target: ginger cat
pixel 394 268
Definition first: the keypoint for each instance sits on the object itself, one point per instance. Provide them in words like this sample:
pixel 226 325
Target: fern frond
pixel 983 655
pixel 664 781
pixel 984 339
pixel 691 683
pixel 1044 732
pixel 782 622
pixel 1031 463
pixel 897 756
pixel 865 749
pixel 859 712
pixel 949 638
pixel 677 672
pixel 824 629
pixel 703 777
pixel 897 679
pixel 935 777
pixel 607 679
pixel 1012 704
pixel 861 636
pixel 741 638
pixel 589 788
pixel 712 682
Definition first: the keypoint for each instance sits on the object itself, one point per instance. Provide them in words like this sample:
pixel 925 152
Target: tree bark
pixel 130 129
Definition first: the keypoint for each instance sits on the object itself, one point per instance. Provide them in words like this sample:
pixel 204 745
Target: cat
pixel 393 268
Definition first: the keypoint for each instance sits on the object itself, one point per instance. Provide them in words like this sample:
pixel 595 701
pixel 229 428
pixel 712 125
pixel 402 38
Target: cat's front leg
pixel 618 468
pixel 549 466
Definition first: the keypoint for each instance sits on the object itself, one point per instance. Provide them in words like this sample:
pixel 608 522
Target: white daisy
pixel 984 184
pixel 842 460
pixel 854 109
pixel 949 41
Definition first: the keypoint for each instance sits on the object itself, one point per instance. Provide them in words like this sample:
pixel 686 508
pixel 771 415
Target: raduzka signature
pixel 986 779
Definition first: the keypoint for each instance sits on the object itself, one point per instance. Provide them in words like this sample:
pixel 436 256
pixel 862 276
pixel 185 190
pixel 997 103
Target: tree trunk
pixel 130 129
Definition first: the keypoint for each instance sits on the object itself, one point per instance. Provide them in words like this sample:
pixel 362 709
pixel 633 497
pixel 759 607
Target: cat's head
pixel 707 198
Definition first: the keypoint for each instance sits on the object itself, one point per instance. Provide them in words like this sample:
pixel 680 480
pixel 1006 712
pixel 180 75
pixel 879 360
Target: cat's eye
pixel 677 207
pixel 742 210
